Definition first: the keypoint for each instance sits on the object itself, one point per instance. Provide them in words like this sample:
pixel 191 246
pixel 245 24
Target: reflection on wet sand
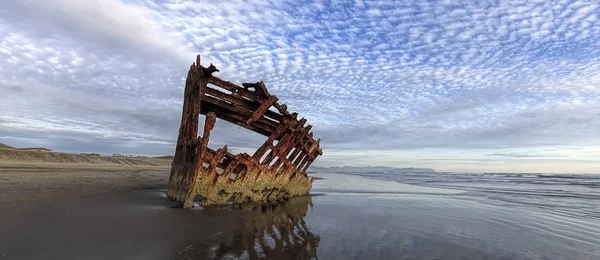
pixel 271 232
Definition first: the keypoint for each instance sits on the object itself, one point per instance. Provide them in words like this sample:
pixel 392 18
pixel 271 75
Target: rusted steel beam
pixel 299 141
pixel 262 109
pixel 236 90
pixel 306 165
pixel 259 87
pixel 307 128
pixel 282 109
pixel 301 159
pixel 209 124
pixel 295 154
pixel 311 157
pixel 274 172
pixel 234 100
pixel 183 165
pixel 241 111
pixel 269 142
pixel 237 119
pixel 242 102
pixel 314 146
pixel 280 161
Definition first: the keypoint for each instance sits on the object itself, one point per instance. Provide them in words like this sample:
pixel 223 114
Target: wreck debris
pixel 276 171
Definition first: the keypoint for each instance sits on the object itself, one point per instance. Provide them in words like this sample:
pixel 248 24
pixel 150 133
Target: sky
pixel 475 86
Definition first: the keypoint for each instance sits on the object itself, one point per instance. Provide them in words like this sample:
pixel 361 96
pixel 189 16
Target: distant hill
pixel 4 146
pixel 365 169
pixel 39 149
pixel 19 156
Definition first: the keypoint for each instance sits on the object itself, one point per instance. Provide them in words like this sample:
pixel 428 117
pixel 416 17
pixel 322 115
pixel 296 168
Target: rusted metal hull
pixel 276 171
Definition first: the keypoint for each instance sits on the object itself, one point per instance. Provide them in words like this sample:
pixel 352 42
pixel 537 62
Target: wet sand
pixel 376 218
pixel 114 213
pixel 122 213
pixel 73 212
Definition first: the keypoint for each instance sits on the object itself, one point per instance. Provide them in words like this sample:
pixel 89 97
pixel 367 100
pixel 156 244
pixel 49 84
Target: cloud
pixel 368 75
pixel 100 23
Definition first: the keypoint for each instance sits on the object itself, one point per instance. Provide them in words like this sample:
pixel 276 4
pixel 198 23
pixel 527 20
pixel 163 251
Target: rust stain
pixel 275 172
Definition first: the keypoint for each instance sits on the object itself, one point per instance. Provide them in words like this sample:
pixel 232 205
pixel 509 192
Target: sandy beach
pixel 72 210
pixel 75 213
pixel 119 211
pixel 102 213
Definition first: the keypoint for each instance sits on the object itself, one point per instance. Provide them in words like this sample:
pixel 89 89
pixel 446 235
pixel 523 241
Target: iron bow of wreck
pixel 275 172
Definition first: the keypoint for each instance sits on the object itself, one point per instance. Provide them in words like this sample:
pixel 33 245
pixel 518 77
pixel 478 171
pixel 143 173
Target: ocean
pixel 429 216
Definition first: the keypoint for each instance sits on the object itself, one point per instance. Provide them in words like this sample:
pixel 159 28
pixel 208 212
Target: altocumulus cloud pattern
pixel 509 79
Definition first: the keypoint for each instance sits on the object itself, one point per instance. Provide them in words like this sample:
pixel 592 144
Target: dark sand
pixel 101 212
pixel 72 212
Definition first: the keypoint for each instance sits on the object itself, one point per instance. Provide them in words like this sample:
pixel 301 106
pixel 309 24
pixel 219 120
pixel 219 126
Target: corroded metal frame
pixel 276 171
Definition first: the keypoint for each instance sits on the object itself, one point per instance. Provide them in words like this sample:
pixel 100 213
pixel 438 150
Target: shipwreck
pixel 275 172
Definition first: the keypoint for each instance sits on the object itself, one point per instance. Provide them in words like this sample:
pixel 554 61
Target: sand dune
pixel 19 157
pixel 4 146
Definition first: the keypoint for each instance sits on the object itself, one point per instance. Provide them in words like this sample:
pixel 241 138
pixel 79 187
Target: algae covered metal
pixel 275 172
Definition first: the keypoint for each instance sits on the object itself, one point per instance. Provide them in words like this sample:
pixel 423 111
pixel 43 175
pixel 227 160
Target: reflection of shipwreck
pixel 264 231
pixel 276 171
pixel 272 233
